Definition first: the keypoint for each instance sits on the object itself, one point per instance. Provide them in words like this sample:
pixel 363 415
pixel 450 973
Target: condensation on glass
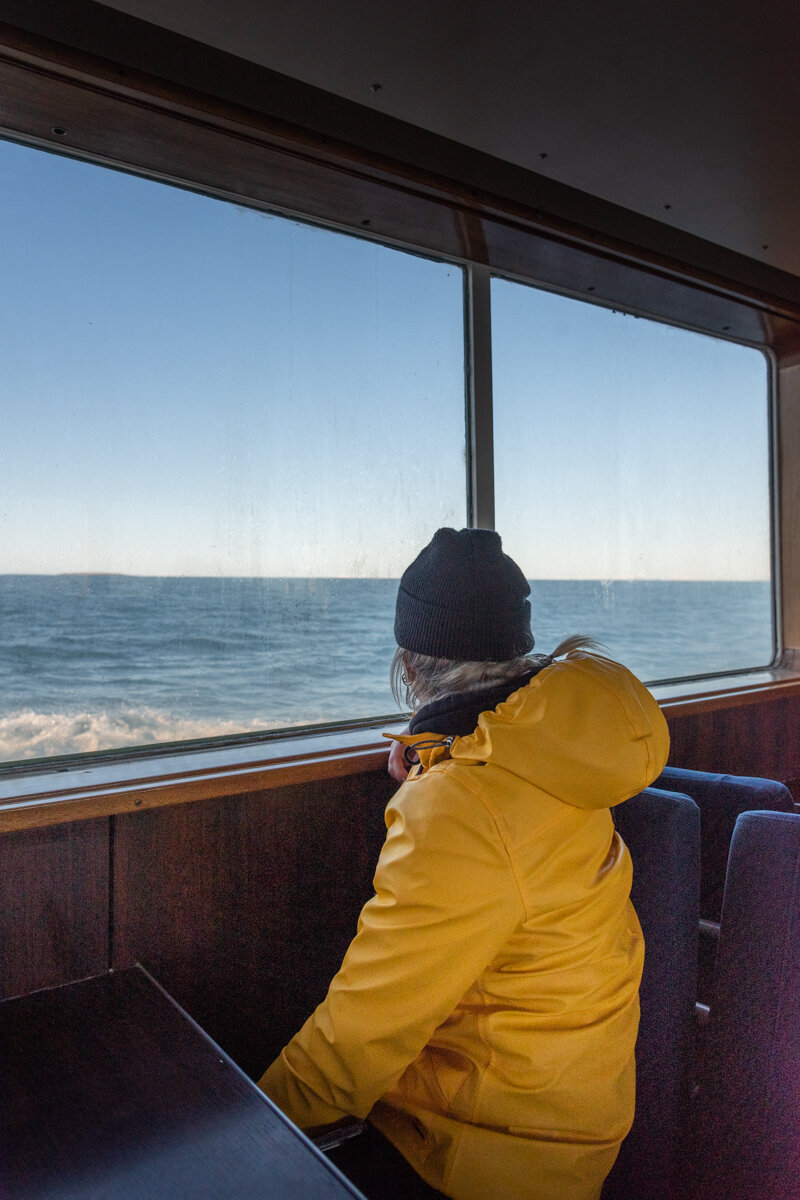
pixel 632 482
pixel 225 435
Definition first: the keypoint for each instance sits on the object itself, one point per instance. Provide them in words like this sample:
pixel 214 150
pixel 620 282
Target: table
pixel 109 1091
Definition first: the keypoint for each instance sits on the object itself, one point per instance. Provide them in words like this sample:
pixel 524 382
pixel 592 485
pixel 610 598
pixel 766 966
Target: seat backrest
pixel 662 831
pixel 749 1129
pixel 721 799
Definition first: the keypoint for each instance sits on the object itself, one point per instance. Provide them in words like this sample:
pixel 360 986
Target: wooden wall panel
pixel 53 905
pixel 243 907
pixel 752 739
pixel 788 449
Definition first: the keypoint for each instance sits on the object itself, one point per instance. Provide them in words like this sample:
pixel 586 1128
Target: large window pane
pixel 224 433
pixel 632 482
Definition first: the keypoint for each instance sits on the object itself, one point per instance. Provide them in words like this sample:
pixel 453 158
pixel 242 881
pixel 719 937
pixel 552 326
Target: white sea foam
pixel 91 664
pixel 30 734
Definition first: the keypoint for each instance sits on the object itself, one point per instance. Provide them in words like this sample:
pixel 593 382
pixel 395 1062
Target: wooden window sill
pixel 33 794
pixel 690 697
pixel 99 788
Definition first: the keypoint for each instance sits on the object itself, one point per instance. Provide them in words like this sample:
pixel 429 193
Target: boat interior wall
pixel 90 81
pixel 54 905
pixel 759 739
pixel 674 113
pixel 242 906
pixel 125 56
pixel 257 902
pixel 236 875
pixel 788 466
pixel 218 895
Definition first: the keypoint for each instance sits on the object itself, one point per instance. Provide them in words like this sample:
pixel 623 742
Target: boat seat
pixel 721 799
pixel 662 831
pixel 749 1128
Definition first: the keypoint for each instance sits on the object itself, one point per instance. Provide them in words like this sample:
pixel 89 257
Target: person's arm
pixel 397 765
pixel 446 902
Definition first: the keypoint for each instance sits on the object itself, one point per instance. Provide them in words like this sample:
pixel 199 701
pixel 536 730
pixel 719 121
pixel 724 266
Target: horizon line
pixel 379 578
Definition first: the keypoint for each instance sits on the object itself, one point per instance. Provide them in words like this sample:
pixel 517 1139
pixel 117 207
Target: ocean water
pixel 96 662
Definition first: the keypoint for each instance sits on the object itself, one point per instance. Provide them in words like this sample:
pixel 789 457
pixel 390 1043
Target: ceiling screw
pixel 375 87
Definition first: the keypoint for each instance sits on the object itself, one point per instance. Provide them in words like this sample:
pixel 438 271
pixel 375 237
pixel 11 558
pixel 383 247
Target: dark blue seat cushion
pixel 662 831
pixel 721 799
pixel 750 1097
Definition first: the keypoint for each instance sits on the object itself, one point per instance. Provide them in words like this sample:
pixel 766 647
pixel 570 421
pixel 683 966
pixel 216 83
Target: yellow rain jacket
pixel 485 1014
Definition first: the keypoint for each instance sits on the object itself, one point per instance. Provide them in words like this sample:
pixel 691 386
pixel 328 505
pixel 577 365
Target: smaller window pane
pixel 632 482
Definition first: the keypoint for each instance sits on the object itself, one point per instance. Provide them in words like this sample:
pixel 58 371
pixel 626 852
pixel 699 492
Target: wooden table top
pixel 110 1092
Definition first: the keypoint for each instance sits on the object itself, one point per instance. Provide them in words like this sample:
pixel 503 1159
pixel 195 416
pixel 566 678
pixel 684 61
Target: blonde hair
pixel 418 679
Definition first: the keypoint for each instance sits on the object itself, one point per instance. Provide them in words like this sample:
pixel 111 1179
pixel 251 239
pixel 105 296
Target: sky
pixel 638 449
pixel 189 387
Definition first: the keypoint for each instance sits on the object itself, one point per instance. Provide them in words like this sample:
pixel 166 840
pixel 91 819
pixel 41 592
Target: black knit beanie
pixel 463 599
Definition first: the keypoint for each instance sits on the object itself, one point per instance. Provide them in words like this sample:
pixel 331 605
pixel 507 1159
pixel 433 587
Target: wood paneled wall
pixel 752 739
pixel 54 919
pixel 242 906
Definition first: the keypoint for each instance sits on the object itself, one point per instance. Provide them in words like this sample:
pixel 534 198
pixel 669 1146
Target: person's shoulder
pixel 444 797
pixel 598 680
pixel 591 664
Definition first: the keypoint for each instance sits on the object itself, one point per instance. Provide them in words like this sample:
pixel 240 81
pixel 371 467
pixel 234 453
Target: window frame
pixel 667 685
pixel 67 102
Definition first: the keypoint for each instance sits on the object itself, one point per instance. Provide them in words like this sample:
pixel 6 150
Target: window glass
pixel 225 434
pixel 632 482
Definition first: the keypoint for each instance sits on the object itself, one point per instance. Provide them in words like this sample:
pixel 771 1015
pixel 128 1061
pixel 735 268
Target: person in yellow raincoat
pixel 485 1015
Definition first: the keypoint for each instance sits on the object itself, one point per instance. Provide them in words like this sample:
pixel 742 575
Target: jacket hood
pixel 584 730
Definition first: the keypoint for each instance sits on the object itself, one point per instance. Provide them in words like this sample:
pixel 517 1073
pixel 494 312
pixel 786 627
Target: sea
pixel 98 662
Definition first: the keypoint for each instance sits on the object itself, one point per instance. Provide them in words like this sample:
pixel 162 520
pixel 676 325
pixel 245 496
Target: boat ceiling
pixel 686 111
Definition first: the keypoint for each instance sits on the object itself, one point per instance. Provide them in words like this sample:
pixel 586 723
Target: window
pixel 225 433
pixel 228 432
pixel 632 482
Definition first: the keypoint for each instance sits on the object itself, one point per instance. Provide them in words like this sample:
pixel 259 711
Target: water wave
pixel 94 663
pixel 30 734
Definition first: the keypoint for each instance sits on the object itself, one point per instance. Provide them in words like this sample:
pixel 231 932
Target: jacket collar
pixel 457 715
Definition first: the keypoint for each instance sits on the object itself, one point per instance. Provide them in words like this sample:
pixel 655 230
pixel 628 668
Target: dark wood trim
pixel 121 117
pixel 235 900
pixel 35 801
pixel 737 696
pixel 30 800
pixel 106 42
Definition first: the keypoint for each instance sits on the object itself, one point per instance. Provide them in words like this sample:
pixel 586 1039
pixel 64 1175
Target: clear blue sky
pixel 624 448
pixel 189 387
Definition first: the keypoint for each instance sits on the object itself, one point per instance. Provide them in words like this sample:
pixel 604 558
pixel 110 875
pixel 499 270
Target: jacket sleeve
pixel 445 903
